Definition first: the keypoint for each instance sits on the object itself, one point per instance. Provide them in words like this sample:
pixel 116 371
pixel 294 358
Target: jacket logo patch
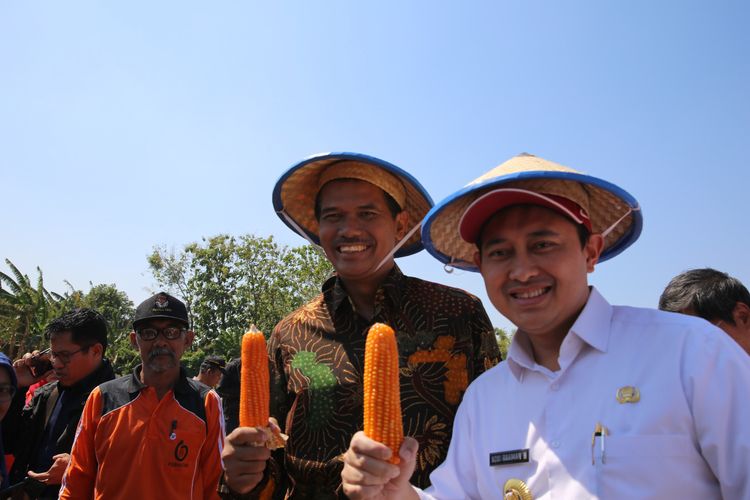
pixel 181 451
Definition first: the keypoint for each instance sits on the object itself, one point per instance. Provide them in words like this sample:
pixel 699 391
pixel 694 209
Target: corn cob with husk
pixel 382 395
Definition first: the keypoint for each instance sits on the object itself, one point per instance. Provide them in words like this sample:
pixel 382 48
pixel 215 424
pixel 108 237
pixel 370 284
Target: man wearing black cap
pixel 211 371
pixel 157 417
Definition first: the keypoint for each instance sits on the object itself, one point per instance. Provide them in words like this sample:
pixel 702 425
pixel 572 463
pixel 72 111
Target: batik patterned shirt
pixel 445 340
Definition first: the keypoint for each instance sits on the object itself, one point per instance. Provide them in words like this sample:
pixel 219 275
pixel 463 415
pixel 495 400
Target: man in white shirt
pixel 595 400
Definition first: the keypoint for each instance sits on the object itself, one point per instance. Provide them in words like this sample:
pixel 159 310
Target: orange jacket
pixel 131 445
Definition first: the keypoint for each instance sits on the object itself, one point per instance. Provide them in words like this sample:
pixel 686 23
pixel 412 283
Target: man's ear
pixel 402 224
pixel 478 259
pixel 134 340
pixel 593 249
pixel 97 349
pixel 189 336
pixel 741 315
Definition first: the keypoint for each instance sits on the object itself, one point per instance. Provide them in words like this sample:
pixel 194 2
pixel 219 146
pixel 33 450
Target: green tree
pixel 230 282
pixel 503 341
pixel 172 272
pixel 118 310
pixel 25 310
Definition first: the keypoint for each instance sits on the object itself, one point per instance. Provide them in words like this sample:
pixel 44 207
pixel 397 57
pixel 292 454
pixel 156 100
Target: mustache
pixel 160 351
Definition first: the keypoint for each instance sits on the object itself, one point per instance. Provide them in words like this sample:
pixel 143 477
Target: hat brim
pixel 441 236
pixel 295 191
pixel 481 209
pixel 160 316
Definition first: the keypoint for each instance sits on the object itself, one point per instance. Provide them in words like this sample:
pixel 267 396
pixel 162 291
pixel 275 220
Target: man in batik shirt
pixel 362 211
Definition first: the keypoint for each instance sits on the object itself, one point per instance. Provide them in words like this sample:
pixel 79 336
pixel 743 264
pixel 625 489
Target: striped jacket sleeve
pixel 80 476
pixel 210 457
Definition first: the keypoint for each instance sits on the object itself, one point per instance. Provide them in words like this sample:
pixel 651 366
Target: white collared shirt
pixel 688 436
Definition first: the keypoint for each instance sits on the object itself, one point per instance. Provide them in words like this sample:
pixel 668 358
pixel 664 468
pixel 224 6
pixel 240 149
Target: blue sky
pixel 125 125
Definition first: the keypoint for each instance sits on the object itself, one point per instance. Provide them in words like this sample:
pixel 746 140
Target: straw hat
pixel 613 212
pixel 295 191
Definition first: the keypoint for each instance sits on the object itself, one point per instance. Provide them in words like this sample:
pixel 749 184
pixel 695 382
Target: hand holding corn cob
pixel 255 387
pixel 382 395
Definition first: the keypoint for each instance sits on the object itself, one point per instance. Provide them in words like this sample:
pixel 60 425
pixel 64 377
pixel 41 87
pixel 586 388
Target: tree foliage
pixel 25 310
pixel 226 282
pixel 118 310
pixel 504 339
pixel 231 282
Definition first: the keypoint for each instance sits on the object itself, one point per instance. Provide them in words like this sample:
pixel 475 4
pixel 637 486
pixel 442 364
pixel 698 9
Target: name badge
pixel 509 457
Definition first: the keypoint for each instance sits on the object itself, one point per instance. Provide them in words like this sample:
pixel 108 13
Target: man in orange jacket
pixel 155 431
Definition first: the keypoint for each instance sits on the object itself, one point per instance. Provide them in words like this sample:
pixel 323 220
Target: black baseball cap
pixel 161 306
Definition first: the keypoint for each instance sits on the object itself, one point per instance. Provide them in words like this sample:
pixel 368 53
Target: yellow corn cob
pixel 254 380
pixel 382 396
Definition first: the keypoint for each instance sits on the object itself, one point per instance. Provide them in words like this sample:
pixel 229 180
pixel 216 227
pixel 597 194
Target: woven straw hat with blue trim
pixel 295 191
pixel 612 210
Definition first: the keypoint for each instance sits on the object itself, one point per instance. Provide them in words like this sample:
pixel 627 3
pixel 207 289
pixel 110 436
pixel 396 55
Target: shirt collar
pixel 87 383
pixel 391 288
pixel 592 327
pixel 181 386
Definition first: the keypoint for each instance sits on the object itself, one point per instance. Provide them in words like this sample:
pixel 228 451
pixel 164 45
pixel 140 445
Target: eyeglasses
pixel 65 356
pixel 170 333
pixel 6 393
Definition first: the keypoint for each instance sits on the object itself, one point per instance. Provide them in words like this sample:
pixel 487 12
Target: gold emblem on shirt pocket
pixel 628 394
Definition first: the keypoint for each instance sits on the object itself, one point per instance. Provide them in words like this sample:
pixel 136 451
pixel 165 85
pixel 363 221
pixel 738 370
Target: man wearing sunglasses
pixel 155 430
pixel 40 435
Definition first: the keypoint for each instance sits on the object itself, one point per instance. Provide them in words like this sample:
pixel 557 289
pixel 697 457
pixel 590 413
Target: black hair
pixel 393 207
pixel 86 326
pixel 707 293
pixel 212 363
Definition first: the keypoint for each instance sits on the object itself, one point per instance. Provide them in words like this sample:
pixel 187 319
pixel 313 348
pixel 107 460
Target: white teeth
pixel 352 248
pixel 530 295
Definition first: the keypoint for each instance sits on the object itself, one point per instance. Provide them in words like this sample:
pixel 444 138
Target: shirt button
pixel 555 386
pixel 555 444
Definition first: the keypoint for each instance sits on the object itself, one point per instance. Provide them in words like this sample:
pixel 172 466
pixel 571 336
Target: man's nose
pixel 350 227
pixel 523 267
pixel 160 339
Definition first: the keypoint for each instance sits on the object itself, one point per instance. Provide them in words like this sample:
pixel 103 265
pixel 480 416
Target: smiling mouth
pixel 353 248
pixel 531 294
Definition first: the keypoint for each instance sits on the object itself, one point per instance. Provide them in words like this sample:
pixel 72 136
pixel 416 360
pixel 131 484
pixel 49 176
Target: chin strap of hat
pixel 299 230
pixel 614 225
pixel 398 245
